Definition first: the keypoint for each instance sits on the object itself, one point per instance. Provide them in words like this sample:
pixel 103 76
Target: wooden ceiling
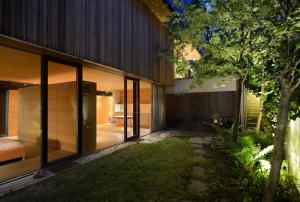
pixel 23 67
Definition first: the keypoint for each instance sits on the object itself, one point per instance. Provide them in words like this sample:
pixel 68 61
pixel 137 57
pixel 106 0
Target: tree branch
pixel 296 86
pixel 220 50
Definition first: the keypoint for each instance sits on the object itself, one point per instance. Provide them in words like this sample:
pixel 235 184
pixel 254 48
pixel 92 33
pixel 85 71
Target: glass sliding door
pixel 20 112
pixel 62 110
pixel 103 109
pixel 132 108
pixel 145 108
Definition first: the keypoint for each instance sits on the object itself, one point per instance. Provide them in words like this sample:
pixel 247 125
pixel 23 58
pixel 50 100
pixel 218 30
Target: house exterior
pixel 78 76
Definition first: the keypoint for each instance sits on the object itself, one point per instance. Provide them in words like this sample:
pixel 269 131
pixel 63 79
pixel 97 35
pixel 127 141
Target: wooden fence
pixel 193 108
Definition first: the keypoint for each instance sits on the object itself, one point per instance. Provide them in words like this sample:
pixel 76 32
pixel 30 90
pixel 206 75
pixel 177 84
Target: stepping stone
pixel 165 135
pixel 197 146
pixel 198 185
pixel 198 158
pixel 197 170
pixel 199 152
pixel 196 140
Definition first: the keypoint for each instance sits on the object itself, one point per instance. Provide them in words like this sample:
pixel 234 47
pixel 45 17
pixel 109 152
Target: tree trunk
pixel 278 151
pixel 237 105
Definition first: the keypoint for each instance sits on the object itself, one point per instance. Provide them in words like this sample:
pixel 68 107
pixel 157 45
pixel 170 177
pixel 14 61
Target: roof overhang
pixel 162 11
pixel 159 8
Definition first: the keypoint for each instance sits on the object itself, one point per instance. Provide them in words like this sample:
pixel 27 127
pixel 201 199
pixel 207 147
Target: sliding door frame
pixel 136 106
pixel 44 109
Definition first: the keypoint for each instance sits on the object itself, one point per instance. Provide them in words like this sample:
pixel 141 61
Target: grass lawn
pixel 142 172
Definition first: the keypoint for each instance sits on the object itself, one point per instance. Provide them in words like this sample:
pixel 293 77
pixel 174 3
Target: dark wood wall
pixel 192 108
pixel 158 108
pixel 123 34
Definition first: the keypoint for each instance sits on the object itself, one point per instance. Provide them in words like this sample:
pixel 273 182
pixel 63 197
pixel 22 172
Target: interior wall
pixel 3 112
pixel 104 109
pixel 62 118
pixel 29 110
pixel 13 113
pixel 145 107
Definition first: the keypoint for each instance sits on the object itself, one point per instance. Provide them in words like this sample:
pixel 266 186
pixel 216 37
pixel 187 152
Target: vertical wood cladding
pixel 123 34
pixel 192 108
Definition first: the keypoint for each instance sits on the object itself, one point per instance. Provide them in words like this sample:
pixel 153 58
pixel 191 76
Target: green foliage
pixel 254 154
pixel 257 41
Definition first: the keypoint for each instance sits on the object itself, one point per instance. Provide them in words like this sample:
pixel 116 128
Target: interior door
pixel 131 103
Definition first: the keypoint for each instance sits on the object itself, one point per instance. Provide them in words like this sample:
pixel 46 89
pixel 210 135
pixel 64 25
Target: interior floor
pixel 108 135
pixel 31 162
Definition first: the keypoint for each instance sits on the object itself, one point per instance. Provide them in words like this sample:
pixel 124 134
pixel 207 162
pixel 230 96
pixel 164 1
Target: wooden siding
pixel 192 108
pixel 158 108
pixel 123 34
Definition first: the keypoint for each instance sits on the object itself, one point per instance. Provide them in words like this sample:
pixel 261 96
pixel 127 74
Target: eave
pixel 159 8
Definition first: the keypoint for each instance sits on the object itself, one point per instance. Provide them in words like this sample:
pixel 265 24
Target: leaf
pixel 297 24
pixel 298 44
pixel 264 152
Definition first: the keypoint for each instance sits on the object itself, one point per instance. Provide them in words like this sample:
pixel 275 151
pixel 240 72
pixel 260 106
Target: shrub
pixel 254 154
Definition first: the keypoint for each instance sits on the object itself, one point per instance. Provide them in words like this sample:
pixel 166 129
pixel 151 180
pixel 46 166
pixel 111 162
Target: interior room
pixel 145 108
pixel 103 109
pixel 62 110
pixel 19 112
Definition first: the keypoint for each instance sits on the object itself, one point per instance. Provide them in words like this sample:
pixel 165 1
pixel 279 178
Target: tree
pixel 228 35
pixel 284 57
pixel 257 41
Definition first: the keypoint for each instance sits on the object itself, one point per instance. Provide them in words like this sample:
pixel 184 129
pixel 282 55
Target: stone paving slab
pixel 197 146
pixel 199 152
pixel 198 186
pixel 199 158
pixel 198 170
pixel 202 138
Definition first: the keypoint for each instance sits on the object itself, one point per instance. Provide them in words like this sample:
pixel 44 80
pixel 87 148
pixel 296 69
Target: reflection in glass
pixel 145 108
pixel 103 109
pixel 62 111
pixel 130 114
pixel 20 115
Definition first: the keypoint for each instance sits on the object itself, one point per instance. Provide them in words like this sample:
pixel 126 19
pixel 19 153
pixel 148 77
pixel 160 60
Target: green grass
pixel 142 172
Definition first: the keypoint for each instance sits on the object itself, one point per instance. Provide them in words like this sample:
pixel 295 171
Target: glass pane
pixel 20 115
pixel 103 109
pixel 62 111
pixel 145 108
pixel 130 112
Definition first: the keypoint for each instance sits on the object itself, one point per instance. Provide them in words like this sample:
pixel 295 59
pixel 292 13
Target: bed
pixel 11 149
